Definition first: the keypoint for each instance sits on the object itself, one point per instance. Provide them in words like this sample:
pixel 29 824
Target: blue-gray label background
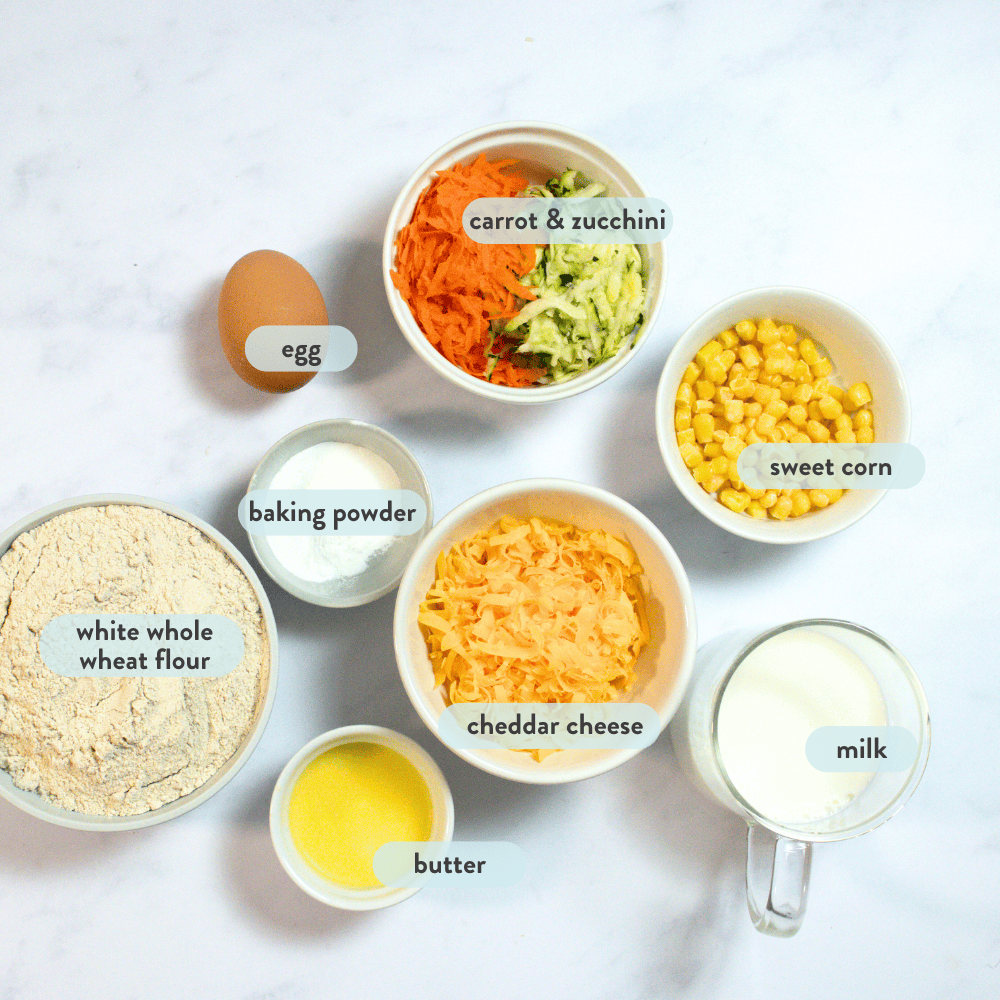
pixel 453 725
pixel 61 648
pixel 505 863
pixel 323 348
pixel 822 747
pixel 331 501
pixel 566 210
pixel 905 461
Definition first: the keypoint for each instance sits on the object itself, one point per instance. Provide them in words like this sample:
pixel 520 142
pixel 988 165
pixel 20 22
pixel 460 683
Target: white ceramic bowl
pixel 859 354
pixel 40 808
pixel 299 870
pixel 543 150
pixel 664 666
pixel 383 573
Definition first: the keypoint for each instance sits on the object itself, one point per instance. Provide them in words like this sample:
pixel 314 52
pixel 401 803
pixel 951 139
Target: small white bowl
pixel 542 150
pixel 383 573
pixel 299 870
pixel 859 354
pixel 33 803
pixel 664 666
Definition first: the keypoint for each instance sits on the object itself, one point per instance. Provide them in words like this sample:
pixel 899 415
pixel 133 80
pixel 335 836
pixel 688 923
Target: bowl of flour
pixel 338 571
pixel 116 752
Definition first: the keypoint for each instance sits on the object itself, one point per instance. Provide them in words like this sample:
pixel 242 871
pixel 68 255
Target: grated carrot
pixel 454 286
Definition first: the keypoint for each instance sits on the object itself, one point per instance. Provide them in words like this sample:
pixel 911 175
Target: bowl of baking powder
pixel 116 752
pixel 331 570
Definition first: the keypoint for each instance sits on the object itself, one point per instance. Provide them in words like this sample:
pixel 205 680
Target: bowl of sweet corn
pixel 774 365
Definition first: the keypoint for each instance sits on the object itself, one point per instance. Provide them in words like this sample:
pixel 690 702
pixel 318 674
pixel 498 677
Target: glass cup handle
pixel 778 875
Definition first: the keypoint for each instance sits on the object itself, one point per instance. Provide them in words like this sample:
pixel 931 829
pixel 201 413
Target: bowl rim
pixel 521 487
pixel 72 820
pixel 527 395
pixel 738 524
pixel 289 584
pixel 405 746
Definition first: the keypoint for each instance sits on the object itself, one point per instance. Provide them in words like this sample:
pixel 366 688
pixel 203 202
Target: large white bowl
pixel 859 354
pixel 542 150
pixel 40 808
pixel 664 666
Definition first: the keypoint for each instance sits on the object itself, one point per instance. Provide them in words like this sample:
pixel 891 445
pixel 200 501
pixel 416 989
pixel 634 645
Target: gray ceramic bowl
pixel 384 573
pixel 34 804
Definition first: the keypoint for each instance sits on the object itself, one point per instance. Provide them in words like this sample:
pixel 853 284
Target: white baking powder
pixel 332 466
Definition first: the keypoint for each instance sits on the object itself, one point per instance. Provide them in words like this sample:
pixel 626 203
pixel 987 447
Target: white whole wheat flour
pixel 120 746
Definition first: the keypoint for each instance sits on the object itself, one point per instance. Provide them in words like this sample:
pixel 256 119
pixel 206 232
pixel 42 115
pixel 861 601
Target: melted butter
pixel 350 801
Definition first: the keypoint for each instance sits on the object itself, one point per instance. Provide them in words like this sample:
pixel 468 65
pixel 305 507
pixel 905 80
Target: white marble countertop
pixel 847 147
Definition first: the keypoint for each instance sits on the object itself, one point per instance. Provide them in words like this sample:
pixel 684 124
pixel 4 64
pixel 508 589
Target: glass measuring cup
pixel 779 854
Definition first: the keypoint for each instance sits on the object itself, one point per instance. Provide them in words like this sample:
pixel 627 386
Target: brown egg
pixel 266 288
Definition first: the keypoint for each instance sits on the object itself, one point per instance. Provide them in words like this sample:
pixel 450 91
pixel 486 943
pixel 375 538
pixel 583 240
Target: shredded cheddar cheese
pixel 535 611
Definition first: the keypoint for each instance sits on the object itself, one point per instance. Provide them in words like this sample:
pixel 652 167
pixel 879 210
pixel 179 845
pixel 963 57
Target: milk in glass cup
pixel 741 736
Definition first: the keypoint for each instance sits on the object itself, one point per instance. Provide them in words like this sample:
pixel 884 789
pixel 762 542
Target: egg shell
pixel 266 288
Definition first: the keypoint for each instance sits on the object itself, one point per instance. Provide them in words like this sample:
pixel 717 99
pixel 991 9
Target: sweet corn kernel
pixel 817 432
pixel 732 446
pixel 682 419
pixel 864 435
pixel 734 500
pixel 728 359
pixel 765 424
pixel 863 418
pixel 781 509
pixel 830 408
pixel 765 393
pixel 777 408
pixel 692 455
pixel 798 415
pixel 712 450
pixel 859 394
pixel 734 411
pixel 701 472
pixel 842 423
pixel 713 484
pixel 711 350
pixel 812 408
pixel 803 393
pixel 779 366
pixel 743 388
pixel 754 438
pixel 685 395
pixel 739 430
pixel 753 410
pixel 807 351
pixel 800 438
pixel 800 503
pixel 834 495
pixel 738 369
pixel 716 371
pixel 704 388
pixel 703 424
pixel 686 436
pixel 787 333
pixel 749 356
pixel 800 372
pixel 718 436
pixel 768 336
pixel 691 374
pixel 844 437
pixel 787 391
pixel 755 494
pixel 822 368
pixel 838 394
pixel 723 394
pixel 746 330
pixel 754 509
pixel 818 498
pixel 718 410
pixel 769 499
pixel 728 338
pixel 704 406
pixel 720 464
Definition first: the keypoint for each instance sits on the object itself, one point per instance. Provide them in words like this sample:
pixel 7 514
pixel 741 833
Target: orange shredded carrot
pixel 455 286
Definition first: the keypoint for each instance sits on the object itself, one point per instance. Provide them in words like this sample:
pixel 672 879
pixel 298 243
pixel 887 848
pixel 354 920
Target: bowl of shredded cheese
pixel 544 590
